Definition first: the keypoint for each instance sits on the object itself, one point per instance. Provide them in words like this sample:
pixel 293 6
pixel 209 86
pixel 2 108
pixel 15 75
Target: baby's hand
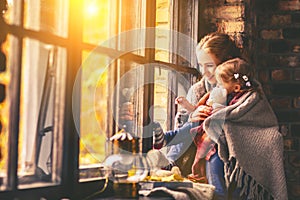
pixel 182 101
pixel 121 135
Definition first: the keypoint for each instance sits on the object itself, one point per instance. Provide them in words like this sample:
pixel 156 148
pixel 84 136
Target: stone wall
pixel 269 33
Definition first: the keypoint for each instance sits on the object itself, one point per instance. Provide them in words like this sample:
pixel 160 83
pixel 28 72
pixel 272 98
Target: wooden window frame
pixel 74 46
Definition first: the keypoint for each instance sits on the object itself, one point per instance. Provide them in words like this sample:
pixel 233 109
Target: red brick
pixel 278 61
pixel 230 12
pixel 271 34
pixel 209 14
pixel 281 20
pixel 295 161
pixel 291 5
pixel 280 75
pixel 296 49
pixel 291 144
pixel 232 26
pixel 297 102
pixel 297 75
pixel 281 103
pixel 282 61
pixel 291 61
pixel 233 1
pixel 295 190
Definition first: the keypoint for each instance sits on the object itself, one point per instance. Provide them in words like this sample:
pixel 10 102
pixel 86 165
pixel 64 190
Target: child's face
pixel 207 63
pixel 230 86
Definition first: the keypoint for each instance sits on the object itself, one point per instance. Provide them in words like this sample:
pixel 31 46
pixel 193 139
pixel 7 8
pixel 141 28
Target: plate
pixel 149 185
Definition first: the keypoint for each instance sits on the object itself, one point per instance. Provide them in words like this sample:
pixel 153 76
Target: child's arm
pixel 182 101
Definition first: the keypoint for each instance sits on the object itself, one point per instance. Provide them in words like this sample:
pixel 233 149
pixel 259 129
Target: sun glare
pixel 91 9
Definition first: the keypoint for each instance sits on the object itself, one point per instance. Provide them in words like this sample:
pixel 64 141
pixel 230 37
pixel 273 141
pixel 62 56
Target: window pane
pixel 41 118
pixel 6 60
pixel 98 26
pixel 132 26
pixel 94 108
pixel 162 37
pixel 168 85
pixel 97 107
pixel 161 96
pixel 13 13
pixel 129 93
pixel 47 15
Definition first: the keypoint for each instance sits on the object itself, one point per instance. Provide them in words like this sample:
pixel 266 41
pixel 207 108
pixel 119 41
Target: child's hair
pixel 220 44
pixel 238 71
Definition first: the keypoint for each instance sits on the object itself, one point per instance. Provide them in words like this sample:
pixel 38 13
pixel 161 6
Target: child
pixel 247 136
pixel 217 99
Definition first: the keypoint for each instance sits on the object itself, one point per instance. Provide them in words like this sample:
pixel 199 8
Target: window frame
pixel 74 47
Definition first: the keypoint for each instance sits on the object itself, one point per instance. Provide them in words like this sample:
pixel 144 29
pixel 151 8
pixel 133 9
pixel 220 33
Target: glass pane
pixel 98 26
pixel 94 108
pixel 6 60
pixel 129 93
pixel 168 85
pixel 161 96
pixel 104 102
pixel 47 15
pixel 132 26
pixel 13 13
pixel 162 37
pixel 41 117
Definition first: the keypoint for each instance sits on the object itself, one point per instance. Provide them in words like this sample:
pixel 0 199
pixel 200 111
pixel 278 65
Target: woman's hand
pixel 202 111
pixel 182 101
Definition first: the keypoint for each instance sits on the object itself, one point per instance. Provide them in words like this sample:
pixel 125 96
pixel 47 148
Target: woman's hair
pixel 239 71
pixel 221 45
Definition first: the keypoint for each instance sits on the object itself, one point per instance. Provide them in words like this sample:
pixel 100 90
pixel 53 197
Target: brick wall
pixel 278 65
pixel 269 32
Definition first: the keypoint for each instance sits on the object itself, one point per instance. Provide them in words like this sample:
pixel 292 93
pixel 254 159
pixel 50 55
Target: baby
pixel 216 100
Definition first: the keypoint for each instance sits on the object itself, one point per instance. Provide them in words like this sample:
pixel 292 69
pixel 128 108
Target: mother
pixel 213 49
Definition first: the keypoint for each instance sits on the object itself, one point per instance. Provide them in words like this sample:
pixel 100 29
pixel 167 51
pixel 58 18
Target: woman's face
pixel 207 64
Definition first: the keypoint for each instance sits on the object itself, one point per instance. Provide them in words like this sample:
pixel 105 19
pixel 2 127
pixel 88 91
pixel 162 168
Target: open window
pixel 73 67
pixel 145 64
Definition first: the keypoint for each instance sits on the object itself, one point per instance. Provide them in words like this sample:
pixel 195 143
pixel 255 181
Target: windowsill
pixel 91 179
pixel 91 172
pixel 36 185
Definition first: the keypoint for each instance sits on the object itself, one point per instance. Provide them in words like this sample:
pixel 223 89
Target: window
pixel 138 74
pixel 36 71
pixel 72 69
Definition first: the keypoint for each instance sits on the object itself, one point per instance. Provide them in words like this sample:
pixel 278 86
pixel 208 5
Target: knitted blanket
pixel 251 146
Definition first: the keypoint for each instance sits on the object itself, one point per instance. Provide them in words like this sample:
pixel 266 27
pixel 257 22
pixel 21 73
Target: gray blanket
pixel 251 146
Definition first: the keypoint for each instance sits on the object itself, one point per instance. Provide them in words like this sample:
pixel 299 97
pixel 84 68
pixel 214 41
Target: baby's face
pixel 230 87
pixel 218 95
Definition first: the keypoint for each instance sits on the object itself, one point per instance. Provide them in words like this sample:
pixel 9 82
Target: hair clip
pixel 245 78
pixel 248 84
pixel 236 75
